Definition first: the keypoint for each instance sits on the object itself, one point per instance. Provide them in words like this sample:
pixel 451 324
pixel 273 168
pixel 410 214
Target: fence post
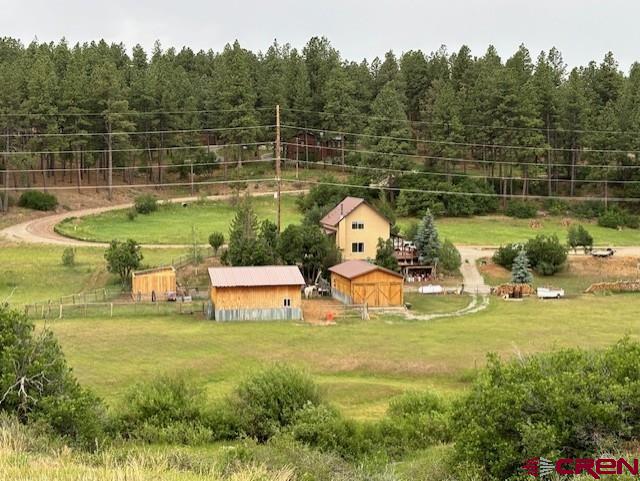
pixel 112 309
pixel 104 294
pixel 60 315
pixel 85 309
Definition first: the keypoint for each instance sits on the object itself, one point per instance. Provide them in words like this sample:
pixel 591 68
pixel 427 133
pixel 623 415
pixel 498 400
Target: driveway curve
pixel 41 230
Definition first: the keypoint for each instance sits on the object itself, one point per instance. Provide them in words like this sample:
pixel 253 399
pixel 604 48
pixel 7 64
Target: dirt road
pixel 41 231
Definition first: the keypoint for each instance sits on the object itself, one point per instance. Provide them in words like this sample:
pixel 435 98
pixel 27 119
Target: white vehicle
pixel 431 289
pixel 549 293
pixel 603 252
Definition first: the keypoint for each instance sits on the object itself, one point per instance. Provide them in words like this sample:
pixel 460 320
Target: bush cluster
pixel 570 403
pixel 615 218
pixel 36 200
pixel 69 257
pixel 521 209
pixel 145 204
pixel 546 254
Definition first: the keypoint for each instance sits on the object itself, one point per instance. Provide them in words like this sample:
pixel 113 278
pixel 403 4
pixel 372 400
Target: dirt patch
pixel 494 271
pixel 618 267
pixel 315 310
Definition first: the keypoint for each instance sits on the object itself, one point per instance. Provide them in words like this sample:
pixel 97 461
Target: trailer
pixel 549 293
pixel 603 252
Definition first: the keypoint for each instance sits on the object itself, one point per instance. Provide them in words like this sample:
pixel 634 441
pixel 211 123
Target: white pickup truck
pixel 549 293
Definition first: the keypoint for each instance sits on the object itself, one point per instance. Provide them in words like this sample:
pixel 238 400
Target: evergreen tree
pixel 385 255
pixel 520 273
pixel 246 246
pixel 427 240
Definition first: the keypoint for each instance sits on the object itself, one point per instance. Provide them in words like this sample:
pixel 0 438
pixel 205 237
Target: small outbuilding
pixel 260 293
pixel 360 282
pixel 153 284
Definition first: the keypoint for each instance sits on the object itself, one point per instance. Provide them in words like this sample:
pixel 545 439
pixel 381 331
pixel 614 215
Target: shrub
pixel 216 240
pixel 505 255
pixel 132 214
pixel 165 409
pixel 521 209
pixel 587 210
pixel 37 384
pixel 578 236
pixel 36 200
pixel 146 204
pixel 570 403
pixel 423 416
pixel 612 218
pixel 556 206
pixel 324 428
pixel 449 258
pixel 69 257
pixel 269 400
pixel 546 254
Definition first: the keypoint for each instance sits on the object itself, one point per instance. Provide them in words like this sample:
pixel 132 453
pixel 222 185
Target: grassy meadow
pixel 497 230
pixel 32 273
pixel 360 365
pixel 172 223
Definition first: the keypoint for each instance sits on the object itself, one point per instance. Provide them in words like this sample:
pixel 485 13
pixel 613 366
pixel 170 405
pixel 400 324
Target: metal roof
pixel 356 268
pixel 255 276
pixel 341 210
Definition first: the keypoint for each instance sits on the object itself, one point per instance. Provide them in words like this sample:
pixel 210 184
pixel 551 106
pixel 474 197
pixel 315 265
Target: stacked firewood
pixel 513 290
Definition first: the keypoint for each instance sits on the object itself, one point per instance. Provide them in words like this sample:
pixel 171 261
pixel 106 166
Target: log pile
pixel 513 290
pixel 619 286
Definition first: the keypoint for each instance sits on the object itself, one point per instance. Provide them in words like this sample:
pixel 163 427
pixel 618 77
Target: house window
pixel 357 225
pixel 357 247
pixel 287 303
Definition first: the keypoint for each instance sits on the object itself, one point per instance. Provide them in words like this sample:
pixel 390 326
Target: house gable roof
pixel 342 210
pixel 255 276
pixel 357 268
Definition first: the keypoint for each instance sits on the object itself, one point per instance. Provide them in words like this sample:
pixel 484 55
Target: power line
pixel 139 186
pixel 456 174
pixel 467 194
pixel 129 112
pixel 146 132
pixel 463 144
pixel 141 167
pixel 472 126
pixel 132 149
pixel 460 159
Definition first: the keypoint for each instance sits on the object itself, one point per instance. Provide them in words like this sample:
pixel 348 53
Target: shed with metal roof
pixel 360 282
pixel 256 293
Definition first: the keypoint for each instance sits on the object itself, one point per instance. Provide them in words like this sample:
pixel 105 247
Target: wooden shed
pixel 359 282
pixel 260 293
pixel 153 284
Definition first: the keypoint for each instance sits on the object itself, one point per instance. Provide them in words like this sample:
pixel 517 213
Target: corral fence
pixel 195 255
pixel 102 294
pixel 114 309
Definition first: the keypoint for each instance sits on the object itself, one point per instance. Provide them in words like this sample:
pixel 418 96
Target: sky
pixel 582 30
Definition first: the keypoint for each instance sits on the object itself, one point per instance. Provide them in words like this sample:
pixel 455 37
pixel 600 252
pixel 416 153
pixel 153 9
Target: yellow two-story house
pixel 356 227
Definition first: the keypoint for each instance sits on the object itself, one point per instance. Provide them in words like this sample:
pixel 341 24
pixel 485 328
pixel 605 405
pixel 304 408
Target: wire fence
pixel 115 309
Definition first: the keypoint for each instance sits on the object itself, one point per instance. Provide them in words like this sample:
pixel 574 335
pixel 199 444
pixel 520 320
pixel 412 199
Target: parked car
pixel 603 252
pixel 549 293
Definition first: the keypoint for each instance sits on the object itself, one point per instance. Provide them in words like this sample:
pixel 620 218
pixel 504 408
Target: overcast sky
pixel 582 29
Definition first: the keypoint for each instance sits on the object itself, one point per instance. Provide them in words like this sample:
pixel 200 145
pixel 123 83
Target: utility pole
pixel 110 159
pixel 5 205
pixel 278 162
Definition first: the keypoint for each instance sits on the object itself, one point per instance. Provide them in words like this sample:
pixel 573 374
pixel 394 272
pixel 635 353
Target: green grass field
pixel 496 230
pixel 172 224
pixel 360 365
pixel 33 273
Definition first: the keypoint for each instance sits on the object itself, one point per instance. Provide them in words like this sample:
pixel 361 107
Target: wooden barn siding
pixel 255 297
pixel 160 282
pixel 377 289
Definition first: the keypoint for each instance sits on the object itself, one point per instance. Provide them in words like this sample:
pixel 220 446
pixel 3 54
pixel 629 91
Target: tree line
pixel 530 126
